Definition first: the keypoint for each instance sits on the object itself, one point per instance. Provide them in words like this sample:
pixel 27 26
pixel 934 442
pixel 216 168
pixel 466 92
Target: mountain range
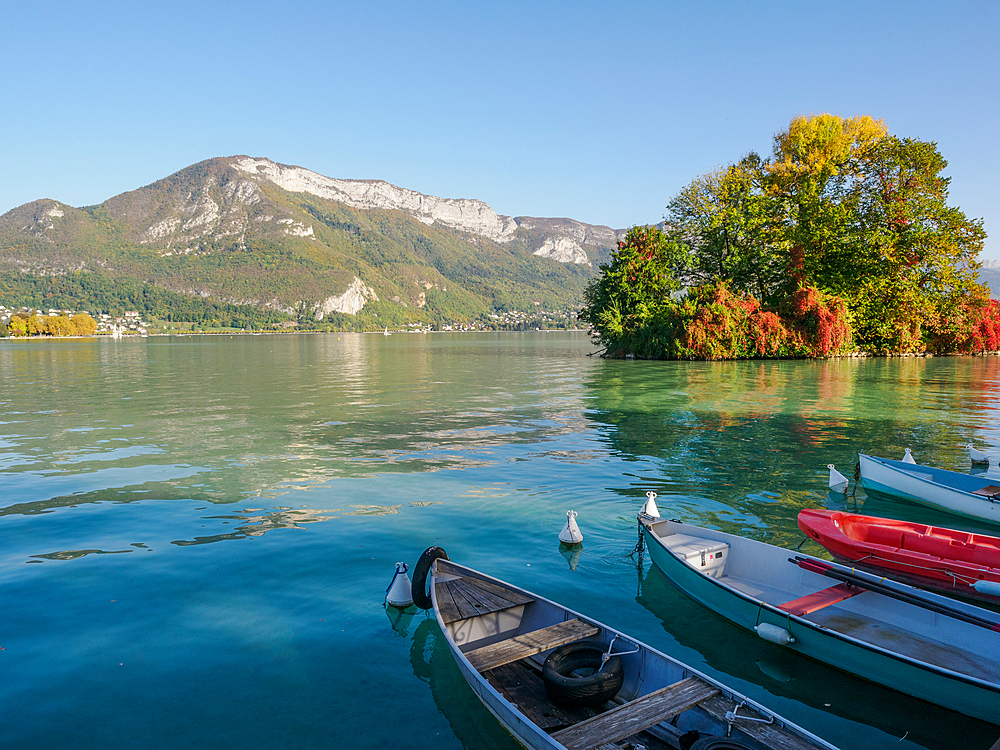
pixel 251 232
pixel 989 274
pixel 249 240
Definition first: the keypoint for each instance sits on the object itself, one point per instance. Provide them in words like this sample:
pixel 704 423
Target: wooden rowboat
pixel 947 560
pixel 506 640
pixel 923 644
pixel 951 491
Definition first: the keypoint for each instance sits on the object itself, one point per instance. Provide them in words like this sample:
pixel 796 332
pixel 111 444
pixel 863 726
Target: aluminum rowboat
pixel 951 491
pixel 501 636
pixel 944 651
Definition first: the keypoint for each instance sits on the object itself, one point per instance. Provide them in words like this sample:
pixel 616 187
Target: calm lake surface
pixel 196 534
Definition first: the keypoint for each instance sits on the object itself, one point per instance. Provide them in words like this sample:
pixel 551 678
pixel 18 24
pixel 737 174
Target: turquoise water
pixel 197 533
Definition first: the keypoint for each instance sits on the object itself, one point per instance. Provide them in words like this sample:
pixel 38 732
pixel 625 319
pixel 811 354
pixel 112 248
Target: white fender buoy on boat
pixel 399 593
pixel 774 634
pixel 650 509
pixel 838 482
pixel 571 532
pixel 908 457
pixel 977 456
pixel 991 588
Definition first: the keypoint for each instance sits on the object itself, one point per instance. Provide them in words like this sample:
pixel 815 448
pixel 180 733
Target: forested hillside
pixel 252 242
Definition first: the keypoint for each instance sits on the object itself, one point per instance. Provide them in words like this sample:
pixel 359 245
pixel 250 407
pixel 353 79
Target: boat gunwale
pixel 883 462
pixel 686 669
pixel 834 532
pixel 944 671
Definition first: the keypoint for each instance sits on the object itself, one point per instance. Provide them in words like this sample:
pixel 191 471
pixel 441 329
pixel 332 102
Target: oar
pixel 880 587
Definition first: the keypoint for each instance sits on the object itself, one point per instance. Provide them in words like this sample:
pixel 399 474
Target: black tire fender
pixel 567 689
pixel 418 586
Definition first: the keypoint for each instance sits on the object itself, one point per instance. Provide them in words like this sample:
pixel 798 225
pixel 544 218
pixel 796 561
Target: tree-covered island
pixel 842 241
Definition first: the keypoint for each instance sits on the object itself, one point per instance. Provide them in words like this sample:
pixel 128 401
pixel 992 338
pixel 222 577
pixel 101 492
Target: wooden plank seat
pixel 528 644
pixel 635 716
pixel 812 602
pixel 465 597
pixel 991 491
pixel 771 736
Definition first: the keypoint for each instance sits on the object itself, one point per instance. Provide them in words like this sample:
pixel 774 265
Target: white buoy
pixel 650 509
pixel 571 532
pixel 987 587
pixel 908 457
pixel 774 634
pixel 977 456
pixel 399 593
pixel 838 482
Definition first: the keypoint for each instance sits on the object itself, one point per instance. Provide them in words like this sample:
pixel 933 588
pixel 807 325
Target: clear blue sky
pixel 595 111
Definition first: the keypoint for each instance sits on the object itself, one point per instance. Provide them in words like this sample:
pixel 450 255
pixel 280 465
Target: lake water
pixel 197 533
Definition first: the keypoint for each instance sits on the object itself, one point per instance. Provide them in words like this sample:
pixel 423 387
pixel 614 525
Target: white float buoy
pixel 650 509
pixel 977 456
pixel 399 593
pixel 908 457
pixel 774 634
pixel 571 532
pixel 987 587
pixel 838 482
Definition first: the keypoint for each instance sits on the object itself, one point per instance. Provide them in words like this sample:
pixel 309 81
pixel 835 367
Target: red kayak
pixel 955 562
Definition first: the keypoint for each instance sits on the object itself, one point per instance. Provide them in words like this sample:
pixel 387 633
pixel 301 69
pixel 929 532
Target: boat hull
pixel 949 491
pixel 941 559
pixel 940 686
pixel 646 671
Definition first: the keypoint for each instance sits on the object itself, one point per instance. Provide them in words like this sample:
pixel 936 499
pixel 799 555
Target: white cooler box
pixel 706 555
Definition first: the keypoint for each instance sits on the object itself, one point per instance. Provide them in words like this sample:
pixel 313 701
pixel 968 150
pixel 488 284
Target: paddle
pixel 884 588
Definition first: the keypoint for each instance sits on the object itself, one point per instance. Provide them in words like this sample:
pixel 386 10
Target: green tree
pixel 729 224
pixel 18 325
pixel 846 208
pixel 637 283
pixel 58 325
pixel 84 324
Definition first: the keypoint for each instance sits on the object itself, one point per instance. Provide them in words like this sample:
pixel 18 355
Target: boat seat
pixel 465 597
pixel 991 491
pixel 636 715
pixel 881 535
pixel 528 644
pixel 769 735
pixel 812 602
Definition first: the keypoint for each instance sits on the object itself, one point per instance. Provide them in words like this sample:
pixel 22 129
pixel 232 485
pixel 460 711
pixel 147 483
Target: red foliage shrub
pixel 986 328
pixel 769 333
pixel 821 322
pixel 716 323
pixel 969 327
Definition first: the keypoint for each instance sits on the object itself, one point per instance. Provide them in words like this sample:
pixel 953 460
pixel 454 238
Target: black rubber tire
pixel 418 586
pixel 720 743
pixel 566 689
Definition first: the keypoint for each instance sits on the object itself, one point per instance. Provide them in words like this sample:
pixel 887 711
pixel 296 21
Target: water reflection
pixel 471 722
pixel 744 446
pixel 571 552
pixel 121 490
pixel 400 619
pixel 77 553
pixel 258 525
